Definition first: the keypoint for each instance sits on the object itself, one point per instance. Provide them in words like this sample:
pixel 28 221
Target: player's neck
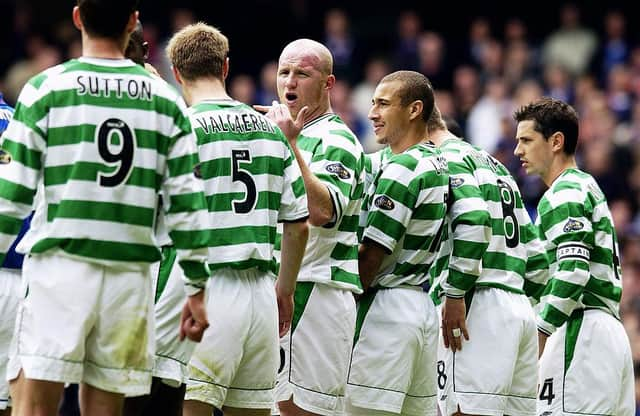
pixel 558 166
pixel 412 137
pixel 322 109
pixel 105 48
pixel 204 89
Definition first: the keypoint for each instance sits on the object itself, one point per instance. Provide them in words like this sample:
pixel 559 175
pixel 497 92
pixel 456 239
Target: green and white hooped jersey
pixel 373 162
pixel 579 235
pixel 492 241
pixel 252 181
pixel 105 137
pixel 406 208
pixel 335 156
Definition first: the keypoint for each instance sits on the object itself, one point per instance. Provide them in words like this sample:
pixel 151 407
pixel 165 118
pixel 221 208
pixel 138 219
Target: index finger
pixel 262 108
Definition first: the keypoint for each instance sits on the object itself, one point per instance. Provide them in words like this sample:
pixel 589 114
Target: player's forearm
pixel 559 301
pixel 321 209
pixel 370 256
pixel 294 242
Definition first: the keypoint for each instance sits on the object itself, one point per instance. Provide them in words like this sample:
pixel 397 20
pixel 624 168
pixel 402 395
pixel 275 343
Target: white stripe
pixel 91 114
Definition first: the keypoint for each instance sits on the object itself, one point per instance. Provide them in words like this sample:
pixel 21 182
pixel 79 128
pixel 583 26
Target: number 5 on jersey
pixel 241 175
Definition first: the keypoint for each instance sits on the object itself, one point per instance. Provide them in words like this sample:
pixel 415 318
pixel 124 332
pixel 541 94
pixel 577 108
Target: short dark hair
pixel 550 116
pixel 106 18
pixel 415 87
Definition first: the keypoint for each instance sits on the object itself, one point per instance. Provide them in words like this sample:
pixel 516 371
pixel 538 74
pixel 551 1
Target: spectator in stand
pixel 406 50
pixel 341 43
pixel 571 45
pixel 266 91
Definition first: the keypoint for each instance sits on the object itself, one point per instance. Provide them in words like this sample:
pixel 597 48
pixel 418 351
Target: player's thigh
pixel 583 366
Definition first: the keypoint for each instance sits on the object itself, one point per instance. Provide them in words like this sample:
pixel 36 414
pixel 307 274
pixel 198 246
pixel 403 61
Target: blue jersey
pixel 13 260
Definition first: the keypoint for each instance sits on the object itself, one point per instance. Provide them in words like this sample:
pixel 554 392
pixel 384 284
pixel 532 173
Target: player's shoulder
pixel 333 131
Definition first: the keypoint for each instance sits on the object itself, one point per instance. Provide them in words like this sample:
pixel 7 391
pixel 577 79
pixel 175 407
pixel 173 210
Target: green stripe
pixel 410 269
pixel 553 315
pixel 259 165
pixel 386 225
pixel 533 290
pixel 88 171
pixel 224 202
pixel 145 139
pixel 300 300
pixel 101 211
pixel 194 270
pixel 604 288
pixel 502 261
pixel 191 239
pixel 187 202
pixel 349 223
pixel 344 252
pixel 460 280
pixel 10 225
pixel 16 193
pixel 223 237
pixel 468 249
pixel 182 165
pixel 340 275
pixel 298 187
pixel 345 134
pixel 364 304
pixel 169 255
pixel 21 153
pixel 571 338
pixel 101 250
pixel 262 265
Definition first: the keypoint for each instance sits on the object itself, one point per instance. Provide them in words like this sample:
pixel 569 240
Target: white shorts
pixel 84 323
pixel 317 350
pixel 586 368
pixel 394 355
pixel 495 373
pixel 172 355
pixel 10 294
pixel 237 360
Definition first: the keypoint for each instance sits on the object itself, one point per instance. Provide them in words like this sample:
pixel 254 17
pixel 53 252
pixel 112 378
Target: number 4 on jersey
pixel 546 391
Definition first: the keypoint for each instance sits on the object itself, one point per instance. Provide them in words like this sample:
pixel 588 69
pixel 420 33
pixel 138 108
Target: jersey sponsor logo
pixel 339 170
pixel 573 225
pixel 456 182
pixel 384 202
pixel 5 157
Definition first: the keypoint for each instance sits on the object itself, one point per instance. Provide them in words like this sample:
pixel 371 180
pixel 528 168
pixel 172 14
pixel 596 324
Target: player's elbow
pixel 319 217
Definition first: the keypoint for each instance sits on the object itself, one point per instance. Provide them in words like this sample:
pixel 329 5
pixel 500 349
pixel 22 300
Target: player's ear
pixel 225 68
pixel 133 21
pixel 75 16
pixel 557 142
pixel 176 75
pixel 331 81
pixel 415 109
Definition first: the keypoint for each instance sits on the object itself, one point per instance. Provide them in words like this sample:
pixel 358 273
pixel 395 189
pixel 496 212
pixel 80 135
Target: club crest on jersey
pixel 573 225
pixel 5 157
pixel 339 170
pixel 384 202
pixel 456 182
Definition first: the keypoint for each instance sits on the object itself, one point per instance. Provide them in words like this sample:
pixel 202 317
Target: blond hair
pixel 198 51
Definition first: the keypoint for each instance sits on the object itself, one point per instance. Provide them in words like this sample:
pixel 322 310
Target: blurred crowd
pixel 480 78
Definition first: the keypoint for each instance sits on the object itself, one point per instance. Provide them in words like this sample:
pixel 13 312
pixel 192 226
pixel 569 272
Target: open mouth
pixel 291 97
